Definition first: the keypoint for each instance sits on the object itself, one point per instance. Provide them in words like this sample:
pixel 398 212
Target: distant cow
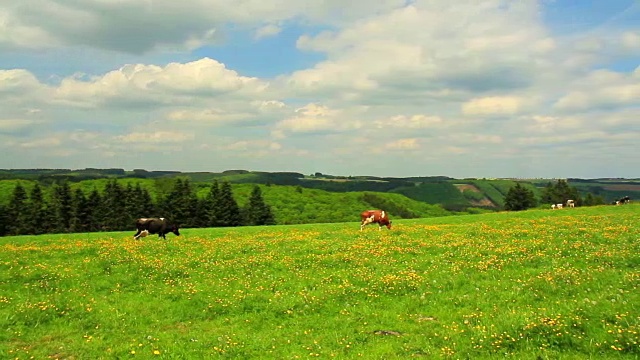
pixel 558 206
pixel 623 200
pixel 553 206
pixel 571 203
pixel 160 226
pixel 375 216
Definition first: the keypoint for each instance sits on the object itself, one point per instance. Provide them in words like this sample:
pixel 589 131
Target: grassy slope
pixel 434 193
pixel 292 205
pixel 532 285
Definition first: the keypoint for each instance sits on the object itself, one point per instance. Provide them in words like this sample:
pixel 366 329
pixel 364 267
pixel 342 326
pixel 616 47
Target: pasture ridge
pixel 537 284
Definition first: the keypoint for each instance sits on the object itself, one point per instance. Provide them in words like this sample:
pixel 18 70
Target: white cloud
pixel 267 30
pixel 451 86
pixel 403 144
pixel 314 118
pixel 172 84
pixel 12 125
pixel 141 26
pixel 631 40
pixel 210 116
pixel 51 141
pixel 17 81
pixel 601 88
pixel 156 137
pixel 493 105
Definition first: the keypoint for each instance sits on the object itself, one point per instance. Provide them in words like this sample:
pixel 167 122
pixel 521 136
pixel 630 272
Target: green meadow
pixel 539 284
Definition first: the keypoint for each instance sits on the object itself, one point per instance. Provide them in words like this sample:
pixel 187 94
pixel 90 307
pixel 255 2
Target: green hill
pixel 290 204
pixel 442 190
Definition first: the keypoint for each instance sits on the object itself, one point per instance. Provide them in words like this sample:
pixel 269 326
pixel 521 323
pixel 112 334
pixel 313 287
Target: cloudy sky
pixel 466 88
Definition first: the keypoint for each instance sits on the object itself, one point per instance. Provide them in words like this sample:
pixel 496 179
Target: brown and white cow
pixel 379 217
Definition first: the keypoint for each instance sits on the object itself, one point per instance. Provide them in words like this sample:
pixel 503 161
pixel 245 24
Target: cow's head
pixel 389 224
pixel 174 229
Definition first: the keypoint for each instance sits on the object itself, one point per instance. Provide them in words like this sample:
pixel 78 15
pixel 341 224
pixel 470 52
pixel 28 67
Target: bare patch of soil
pixel 463 187
pixel 483 202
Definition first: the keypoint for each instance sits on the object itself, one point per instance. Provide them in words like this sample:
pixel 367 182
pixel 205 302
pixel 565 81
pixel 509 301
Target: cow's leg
pixel 137 235
pixel 366 221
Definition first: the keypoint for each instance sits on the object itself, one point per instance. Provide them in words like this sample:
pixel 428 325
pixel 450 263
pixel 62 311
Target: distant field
pixel 540 284
pixel 622 187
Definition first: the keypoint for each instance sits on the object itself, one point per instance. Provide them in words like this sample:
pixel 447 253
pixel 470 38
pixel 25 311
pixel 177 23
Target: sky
pixel 467 88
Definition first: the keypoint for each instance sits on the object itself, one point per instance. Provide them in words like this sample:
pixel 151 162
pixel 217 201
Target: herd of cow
pixel 162 226
pixel 571 203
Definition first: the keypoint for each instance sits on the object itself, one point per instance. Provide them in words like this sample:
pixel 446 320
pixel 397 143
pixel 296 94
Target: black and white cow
pixel 623 200
pixel 160 226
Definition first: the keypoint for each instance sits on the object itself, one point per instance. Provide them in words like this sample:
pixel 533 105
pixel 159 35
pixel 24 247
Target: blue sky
pixel 497 88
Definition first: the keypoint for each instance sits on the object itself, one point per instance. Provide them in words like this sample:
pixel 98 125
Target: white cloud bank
pixel 404 88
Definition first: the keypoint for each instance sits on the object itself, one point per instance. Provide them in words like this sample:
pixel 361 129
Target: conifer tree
pixel 257 212
pixel 94 211
pixel 37 216
pixel 212 205
pixel 18 211
pixel 146 205
pixel 3 220
pixel 519 198
pixel 131 204
pixel 559 193
pixel 80 213
pixel 113 207
pixel 60 208
pixel 229 212
pixel 180 206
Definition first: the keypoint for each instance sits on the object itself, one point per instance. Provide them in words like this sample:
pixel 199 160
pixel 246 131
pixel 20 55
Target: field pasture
pixel 538 284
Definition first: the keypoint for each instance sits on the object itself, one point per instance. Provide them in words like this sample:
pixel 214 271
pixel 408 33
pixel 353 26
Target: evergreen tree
pixel 113 207
pixel 211 205
pixel 94 211
pixel 592 200
pixel 146 205
pixel 3 220
pixel 80 213
pixel 37 217
pixel 229 212
pixel 519 198
pixel 559 193
pixel 181 205
pixel 138 204
pixel 549 195
pixel 131 204
pixel 257 212
pixel 60 208
pixel 18 212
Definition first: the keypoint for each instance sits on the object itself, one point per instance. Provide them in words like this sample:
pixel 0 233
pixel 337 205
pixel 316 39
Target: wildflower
pixel 156 352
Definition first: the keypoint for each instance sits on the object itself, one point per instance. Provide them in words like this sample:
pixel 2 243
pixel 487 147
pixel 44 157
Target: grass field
pixel 539 284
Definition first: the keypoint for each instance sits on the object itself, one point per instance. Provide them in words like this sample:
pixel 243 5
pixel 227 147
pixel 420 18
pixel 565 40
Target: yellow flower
pixel 156 352
pixel 133 351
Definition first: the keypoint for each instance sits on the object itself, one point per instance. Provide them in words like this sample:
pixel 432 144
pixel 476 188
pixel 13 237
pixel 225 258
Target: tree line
pixel 117 207
pixel 521 198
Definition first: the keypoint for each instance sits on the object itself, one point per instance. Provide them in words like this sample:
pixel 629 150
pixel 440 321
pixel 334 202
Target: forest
pixel 117 207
